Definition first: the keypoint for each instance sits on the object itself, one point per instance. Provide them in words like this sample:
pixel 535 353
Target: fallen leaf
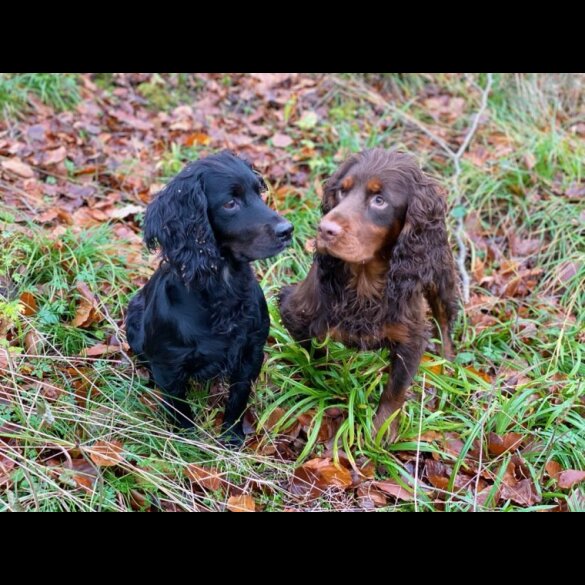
pixel 394 489
pixel 319 474
pixel 54 157
pixel 100 349
pixel 29 302
pixel 523 246
pixel 281 140
pixel 241 504
pixel 84 474
pixel 567 479
pixel 106 454
pixel 18 168
pixel 370 497
pixel 523 493
pixel 122 212
pixel 6 467
pixel 500 444
pixel 575 191
pixel 483 375
pixel 208 478
pixel 198 138
pixel 553 468
pixel 87 312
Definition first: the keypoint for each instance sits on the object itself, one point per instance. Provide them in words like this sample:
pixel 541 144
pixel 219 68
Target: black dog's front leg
pixel 173 383
pixel 240 386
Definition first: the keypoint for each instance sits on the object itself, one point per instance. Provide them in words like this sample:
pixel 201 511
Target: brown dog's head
pixel 371 202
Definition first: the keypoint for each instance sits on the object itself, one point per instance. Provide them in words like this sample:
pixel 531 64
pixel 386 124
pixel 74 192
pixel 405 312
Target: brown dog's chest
pixel 368 337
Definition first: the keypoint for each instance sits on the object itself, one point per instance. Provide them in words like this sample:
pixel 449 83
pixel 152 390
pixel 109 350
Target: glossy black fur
pixel 203 314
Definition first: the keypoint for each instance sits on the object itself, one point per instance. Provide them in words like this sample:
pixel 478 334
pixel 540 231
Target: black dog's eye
pixel 379 201
pixel 231 204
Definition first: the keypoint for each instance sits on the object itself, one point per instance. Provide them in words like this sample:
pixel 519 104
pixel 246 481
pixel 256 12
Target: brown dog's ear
pixel 422 246
pixel 333 184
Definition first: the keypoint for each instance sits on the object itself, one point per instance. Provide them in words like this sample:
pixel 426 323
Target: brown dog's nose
pixel 329 230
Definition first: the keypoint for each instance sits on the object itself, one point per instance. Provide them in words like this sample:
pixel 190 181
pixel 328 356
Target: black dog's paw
pixel 233 437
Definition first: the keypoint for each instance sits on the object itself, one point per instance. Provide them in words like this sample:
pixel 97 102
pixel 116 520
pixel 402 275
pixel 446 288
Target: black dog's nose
pixel 284 230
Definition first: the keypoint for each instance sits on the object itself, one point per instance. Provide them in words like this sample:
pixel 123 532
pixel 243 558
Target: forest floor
pixel 500 428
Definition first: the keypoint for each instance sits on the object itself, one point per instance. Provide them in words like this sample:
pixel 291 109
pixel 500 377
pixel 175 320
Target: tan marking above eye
pixel 374 185
pixel 347 183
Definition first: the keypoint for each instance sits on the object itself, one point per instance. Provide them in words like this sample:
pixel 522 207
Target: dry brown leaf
pixel 318 474
pixel 100 349
pixel 6 467
pixel 18 167
pixel 394 489
pixel 281 140
pixel 84 474
pixel 208 478
pixel 241 504
pixel 523 493
pixel 29 302
pixel 500 444
pixel 274 418
pixel 483 375
pixel 54 157
pixel 568 478
pixel 106 454
pixel 370 497
pixel 197 138
pixel 523 246
pixel 553 468
pixel 87 312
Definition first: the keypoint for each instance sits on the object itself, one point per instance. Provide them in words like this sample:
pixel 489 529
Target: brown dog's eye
pixel 379 201
pixel 232 204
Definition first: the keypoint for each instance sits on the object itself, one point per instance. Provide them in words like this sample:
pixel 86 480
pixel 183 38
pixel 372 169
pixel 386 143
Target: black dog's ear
pixel 333 184
pixel 176 220
pixel 263 186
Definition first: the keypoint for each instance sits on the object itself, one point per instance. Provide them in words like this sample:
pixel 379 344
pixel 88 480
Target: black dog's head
pixel 213 210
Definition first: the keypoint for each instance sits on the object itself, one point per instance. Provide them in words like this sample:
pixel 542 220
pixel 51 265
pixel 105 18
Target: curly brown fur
pixel 382 249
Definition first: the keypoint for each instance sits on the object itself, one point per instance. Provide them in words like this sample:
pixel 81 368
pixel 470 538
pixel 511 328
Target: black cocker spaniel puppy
pixel 382 250
pixel 203 313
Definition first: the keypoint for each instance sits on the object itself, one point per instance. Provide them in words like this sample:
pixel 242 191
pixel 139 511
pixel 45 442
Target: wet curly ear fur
pixel 176 220
pixel 421 255
pixel 333 184
pixel 263 186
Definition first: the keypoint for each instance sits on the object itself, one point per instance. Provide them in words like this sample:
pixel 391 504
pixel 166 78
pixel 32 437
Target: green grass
pixel 531 351
pixel 58 90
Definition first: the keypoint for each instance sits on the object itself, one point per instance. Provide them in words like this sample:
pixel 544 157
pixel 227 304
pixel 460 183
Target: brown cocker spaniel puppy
pixel 381 250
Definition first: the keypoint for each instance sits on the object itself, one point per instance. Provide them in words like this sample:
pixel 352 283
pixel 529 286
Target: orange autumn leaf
pixel 29 302
pixel 427 362
pixel 208 478
pixel 100 349
pixel 87 312
pixel 394 489
pixel 500 444
pixel 241 504
pixel 483 375
pixel 318 474
pixel 106 454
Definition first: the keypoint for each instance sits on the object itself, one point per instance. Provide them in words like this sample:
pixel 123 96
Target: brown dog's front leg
pixel 405 361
